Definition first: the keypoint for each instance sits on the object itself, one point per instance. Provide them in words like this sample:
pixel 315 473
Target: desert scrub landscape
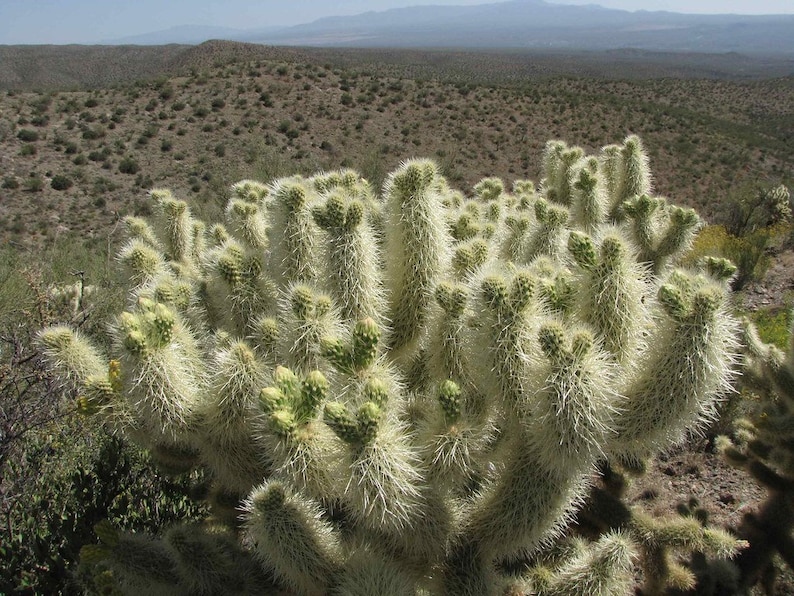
pixel 73 161
pixel 76 162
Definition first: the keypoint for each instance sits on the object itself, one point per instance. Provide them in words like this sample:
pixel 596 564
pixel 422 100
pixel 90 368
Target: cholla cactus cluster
pixel 763 446
pixel 395 394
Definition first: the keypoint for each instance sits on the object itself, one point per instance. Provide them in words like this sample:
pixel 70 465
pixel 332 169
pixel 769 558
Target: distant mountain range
pixel 515 24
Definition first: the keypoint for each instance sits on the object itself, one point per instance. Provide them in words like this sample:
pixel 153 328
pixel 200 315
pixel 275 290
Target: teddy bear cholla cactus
pixel 395 393
pixel 762 445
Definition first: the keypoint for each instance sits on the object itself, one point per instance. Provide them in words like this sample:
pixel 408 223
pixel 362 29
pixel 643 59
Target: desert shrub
pixel 748 252
pixel 34 183
pixel 28 150
pixel 27 135
pixel 773 325
pixel 61 182
pixel 70 476
pixel 10 183
pixel 753 207
pixel 128 165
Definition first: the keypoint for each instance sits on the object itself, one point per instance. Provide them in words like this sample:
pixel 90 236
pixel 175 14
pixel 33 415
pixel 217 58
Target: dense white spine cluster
pixel 400 392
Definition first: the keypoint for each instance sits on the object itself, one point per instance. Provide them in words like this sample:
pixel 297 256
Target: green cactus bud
pixel 343 424
pixel 375 391
pixel 521 291
pixel 552 341
pixel 719 269
pixel 135 342
pixel 314 392
pixel 452 299
pixel 129 322
pixel 219 234
pixel 672 299
pixel 469 257
pixel 336 352
pixel 449 395
pixel 230 265
pixel 465 227
pixel 495 292
pixel 368 416
pixel 282 422
pixel 583 250
pixel 271 399
pixel 287 381
pixel 366 335
pixel 354 215
pixel 250 190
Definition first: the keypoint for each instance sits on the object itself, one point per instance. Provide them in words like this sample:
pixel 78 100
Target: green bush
pixel 773 325
pixel 748 252
pixel 27 135
pixel 34 184
pixel 128 165
pixel 61 182
pixel 10 183
pixel 72 475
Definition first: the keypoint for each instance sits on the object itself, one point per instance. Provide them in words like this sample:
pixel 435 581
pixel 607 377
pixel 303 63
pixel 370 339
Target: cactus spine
pixel 420 385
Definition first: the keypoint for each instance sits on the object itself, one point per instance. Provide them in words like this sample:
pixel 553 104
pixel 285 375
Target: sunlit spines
pixel 417 250
pixel 635 176
pixel 163 370
pixel 589 197
pixel 574 404
pixel 175 224
pixel 288 533
pixel 503 319
pixel 293 237
pixel 247 221
pixel 250 191
pixel 72 356
pixel 225 415
pixel 605 569
pixel 688 367
pixel 548 235
pixel 355 280
pixel 614 296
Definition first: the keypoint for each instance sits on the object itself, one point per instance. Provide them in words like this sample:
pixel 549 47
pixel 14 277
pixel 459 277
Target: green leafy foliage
pixel 71 476
pixel 748 252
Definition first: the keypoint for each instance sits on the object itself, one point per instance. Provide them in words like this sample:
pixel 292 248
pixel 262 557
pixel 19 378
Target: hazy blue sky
pixel 91 21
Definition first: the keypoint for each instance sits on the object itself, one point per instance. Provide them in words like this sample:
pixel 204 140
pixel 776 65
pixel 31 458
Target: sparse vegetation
pixel 477 112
